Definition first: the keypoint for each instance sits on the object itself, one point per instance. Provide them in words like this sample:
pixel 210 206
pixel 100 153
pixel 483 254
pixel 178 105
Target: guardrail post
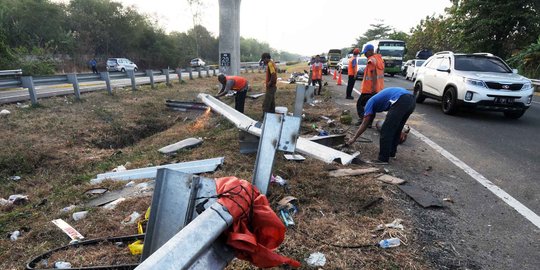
pixel 150 74
pixel 72 78
pixel 28 82
pixel 105 76
pixel 131 75
pixel 260 69
pixel 167 77
pixel 214 71
pixel 179 74
pixel 190 70
pixel 199 74
pixel 207 69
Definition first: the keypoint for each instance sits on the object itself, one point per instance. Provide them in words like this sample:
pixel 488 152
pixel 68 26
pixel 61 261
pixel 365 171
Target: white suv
pixel 121 64
pixel 478 80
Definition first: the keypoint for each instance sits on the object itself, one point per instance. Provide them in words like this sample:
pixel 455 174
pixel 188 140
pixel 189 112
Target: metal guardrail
pixel 536 84
pixel 12 72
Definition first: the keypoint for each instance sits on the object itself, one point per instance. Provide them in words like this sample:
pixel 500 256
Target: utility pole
pixel 229 37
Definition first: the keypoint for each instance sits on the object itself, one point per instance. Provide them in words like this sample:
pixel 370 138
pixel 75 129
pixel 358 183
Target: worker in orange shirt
pixel 269 103
pixel 235 83
pixel 373 81
pixel 316 73
pixel 352 69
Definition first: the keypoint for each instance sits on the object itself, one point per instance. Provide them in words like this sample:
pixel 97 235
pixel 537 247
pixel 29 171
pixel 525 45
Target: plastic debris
pixel 294 157
pixel 62 265
pixel 136 247
pixel 4 112
pixel 183 144
pixel 67 229
pixel 4 202
pixel 287 208
pixel 96 191
pixel 17 199
pixel 390 179
pixel 130 184
pixel 120 168
pixel 448 199
pixel 278 179
pixel 14 235
pixel 396 224
pixel 67 209
pixel 131 218
pixel 114 203
pixel 79 215
pixel 14 178
pixel 316 259
pixel 390 243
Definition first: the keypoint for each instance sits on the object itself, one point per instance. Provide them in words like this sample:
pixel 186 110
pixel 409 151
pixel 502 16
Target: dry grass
pixel 59 146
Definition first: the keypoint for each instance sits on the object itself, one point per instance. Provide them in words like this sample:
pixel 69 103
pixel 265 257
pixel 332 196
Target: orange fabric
pixel 316 71
pixel 254 240
pixel 352 69
pixel 375 62
pixel 239 82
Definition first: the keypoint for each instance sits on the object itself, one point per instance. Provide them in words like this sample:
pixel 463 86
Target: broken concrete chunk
pixel 352 172
pixel 187 143
pixel 390 179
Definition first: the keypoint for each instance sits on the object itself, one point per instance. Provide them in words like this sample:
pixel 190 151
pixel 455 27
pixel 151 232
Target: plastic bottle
pixel 390 243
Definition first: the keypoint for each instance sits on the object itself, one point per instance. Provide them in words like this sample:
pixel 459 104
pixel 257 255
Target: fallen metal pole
pixel 303 146
pixel 199 166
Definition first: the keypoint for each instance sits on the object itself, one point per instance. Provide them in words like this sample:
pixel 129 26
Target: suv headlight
pixel 526 86
pixel 474 82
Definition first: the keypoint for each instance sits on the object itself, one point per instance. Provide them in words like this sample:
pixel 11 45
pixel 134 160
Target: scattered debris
pixel 4 202
pixel 316 259
pixel 390 179
pixel 352 172
pixel 396 224
pixel 448 199
pixel 113 204
pixel 183 144
pixel 131 218
pixel 62 265
pixel 79 215
pixel 22 106
pixel 4 112
pixel 420 196
pixel 17 199
pixel 185 105
pixel 279 180
pixel 390 243
pixel 372 202
pixel 256 96
pixel 67 209
pixel 287 208
pixel 130 184
pixel 294 157
pixel 346 117
pixel 328 140
pixel 96 191
pixel 139 190
pixel 67 229
pixel 299 77
pixel 13 236
pixel 136 248
pixel 120 168
pixel 14 178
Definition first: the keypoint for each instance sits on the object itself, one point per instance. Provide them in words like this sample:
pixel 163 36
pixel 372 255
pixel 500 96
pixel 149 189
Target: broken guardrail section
pixel 303 146
pixel 195 167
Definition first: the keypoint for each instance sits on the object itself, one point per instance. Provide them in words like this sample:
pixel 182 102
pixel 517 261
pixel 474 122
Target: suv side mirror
pixel 515 71
pixel 443 69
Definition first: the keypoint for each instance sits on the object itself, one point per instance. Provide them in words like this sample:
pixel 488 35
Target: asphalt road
pixel 479 230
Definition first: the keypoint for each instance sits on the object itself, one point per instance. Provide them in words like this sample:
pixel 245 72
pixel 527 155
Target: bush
pixel 527 61
pixel 36 62
pixel 291 63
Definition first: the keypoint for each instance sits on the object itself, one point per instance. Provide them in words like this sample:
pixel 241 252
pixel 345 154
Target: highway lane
pixel 479 230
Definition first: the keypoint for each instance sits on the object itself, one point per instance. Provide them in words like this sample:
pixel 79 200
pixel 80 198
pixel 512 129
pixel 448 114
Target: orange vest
pixel 239 82
pixel 353 69
pixel 375 62
pixel 316 69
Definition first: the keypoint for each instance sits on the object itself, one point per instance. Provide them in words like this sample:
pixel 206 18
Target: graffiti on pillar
pixel 225 62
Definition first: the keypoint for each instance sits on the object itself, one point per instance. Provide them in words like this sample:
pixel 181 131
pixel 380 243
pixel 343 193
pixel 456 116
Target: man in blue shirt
pixel 400 104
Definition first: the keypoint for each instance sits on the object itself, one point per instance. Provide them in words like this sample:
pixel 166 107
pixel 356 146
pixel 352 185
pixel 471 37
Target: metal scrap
pixel 420 196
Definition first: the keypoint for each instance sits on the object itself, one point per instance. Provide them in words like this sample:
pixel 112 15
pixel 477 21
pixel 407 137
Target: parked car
pixel 480 80
pixel 325 65
pixel 121 64
pixel 197 62
pixel 412 69
pixel 343 65
pixel 362 63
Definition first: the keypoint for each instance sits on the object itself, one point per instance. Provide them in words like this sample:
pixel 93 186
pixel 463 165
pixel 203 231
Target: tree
pixel 528 60
pixel 436 33
pixel 376 31
pixel 496 26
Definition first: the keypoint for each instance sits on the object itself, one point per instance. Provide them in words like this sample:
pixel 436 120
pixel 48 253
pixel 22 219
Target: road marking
pixel 536 102
pixel 519 207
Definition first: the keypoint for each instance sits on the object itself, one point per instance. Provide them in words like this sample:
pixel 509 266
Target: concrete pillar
pixel 229 37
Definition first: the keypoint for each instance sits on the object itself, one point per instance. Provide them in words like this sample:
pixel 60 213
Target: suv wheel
pixel 418 95
pixel 514 114
pixel 135 70
pixel 123 70
pixel 449 101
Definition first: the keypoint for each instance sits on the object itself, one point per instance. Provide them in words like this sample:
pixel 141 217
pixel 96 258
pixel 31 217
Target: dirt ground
pixel 59 146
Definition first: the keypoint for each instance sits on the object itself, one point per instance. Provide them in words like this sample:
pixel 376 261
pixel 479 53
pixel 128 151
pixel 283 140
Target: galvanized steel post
pixel 299 100
pixel 150 74
pixel 72 78
pixel 207 69
pixel 28 82
pixel 167 78
pixel 190 70
pixel 199 72
pixel 131 75
pixel 179 74
pixel 105 76
pixel 214 71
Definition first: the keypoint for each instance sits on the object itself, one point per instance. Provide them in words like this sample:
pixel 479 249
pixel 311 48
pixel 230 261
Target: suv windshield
pixel 419 63
pixel 480 63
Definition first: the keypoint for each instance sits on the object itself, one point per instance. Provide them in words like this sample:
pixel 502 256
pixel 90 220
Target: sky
pixel 306 27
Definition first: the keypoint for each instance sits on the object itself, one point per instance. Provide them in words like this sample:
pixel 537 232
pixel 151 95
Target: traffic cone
pixel 339 79
pixel 335 74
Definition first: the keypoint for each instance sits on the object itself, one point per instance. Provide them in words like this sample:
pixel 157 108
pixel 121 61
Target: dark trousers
pixel 240 99
pixel 361 104
pixel 94 70
pixel 320 85
pixel 269 103
pixel 350 85
pixel 393 125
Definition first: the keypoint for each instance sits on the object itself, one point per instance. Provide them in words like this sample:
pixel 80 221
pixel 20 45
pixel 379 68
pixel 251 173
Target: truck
pixel 392 52
pixel 334 55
